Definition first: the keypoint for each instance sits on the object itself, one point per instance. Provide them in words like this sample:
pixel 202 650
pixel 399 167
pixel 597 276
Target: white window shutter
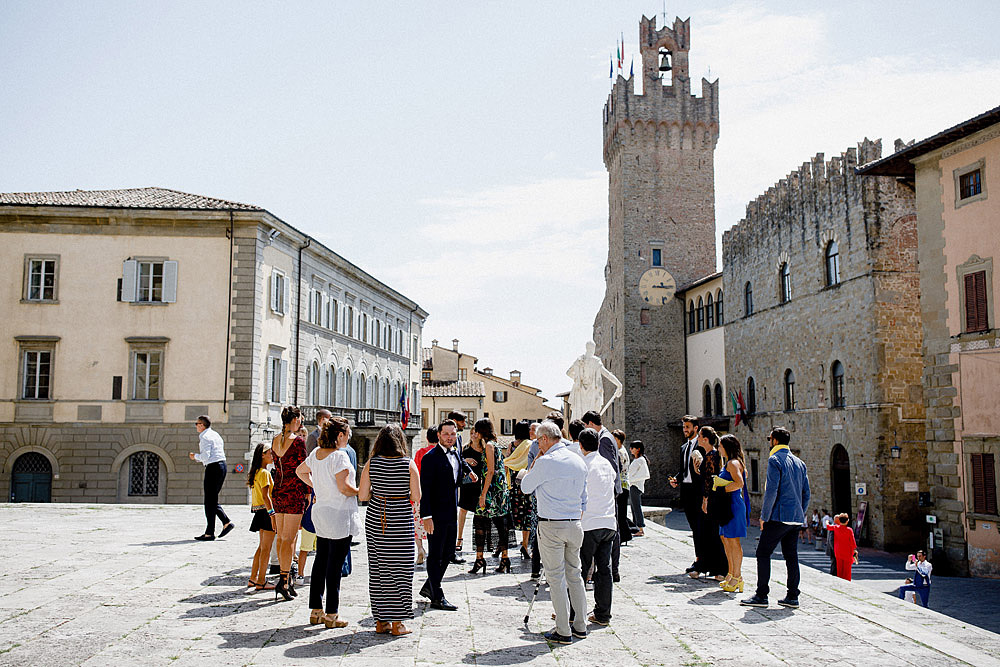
pixel 129 273
pixel 170 281
pixel 274 292
pixel 284 301
pixel 283 392
pixel 269 387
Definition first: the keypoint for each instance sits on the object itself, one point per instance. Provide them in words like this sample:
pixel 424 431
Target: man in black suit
pixel 690 483
pixel 459 418
pixel 441 472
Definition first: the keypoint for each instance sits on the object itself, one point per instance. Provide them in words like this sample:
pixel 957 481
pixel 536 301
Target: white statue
pixel 588 373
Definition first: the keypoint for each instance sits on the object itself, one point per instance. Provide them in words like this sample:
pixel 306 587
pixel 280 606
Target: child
pixel 845 548
pixel 259 481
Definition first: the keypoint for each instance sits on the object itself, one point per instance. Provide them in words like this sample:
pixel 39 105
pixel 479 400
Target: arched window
pixel 144 474
pixel 701 314
pixel 751 402
pixel 331 390
pixel 832 264
pixel 789 390
pixel 719 321
pixel 837 384
pixel 709 313
pixel 786 283
pixel 362 400
pixel 309 374
pixel 719 407
pixel 691 317
pixel 314 395
pixel 706 407
pixel 747 300
pixel 348 388
pixel 376 385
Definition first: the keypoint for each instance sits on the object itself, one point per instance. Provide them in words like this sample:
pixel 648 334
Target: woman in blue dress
pixel 732 480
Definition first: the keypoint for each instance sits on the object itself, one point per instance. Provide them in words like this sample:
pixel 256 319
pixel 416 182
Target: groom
pixel 441 472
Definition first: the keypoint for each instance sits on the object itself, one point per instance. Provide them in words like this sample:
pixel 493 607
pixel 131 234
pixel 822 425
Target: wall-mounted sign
pixel 838 427
pixel 861 489
pixel 911 487
pixel 931 518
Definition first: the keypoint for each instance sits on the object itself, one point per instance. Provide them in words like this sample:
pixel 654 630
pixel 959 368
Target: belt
pixel 385 498
pixel 542 518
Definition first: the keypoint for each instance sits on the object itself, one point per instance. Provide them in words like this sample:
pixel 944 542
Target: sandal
pixel 398 630
pixel 315 617
pixel 381 627
pixel 332 621
pixel 262 586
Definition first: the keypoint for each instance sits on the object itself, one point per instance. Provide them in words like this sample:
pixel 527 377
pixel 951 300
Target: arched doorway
pixel 31 479
pixel 840 477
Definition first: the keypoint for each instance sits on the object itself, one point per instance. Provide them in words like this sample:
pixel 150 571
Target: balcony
pixel 360 417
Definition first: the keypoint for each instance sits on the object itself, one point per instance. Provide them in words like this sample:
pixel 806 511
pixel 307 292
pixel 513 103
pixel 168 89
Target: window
pixel 701 314
pixel 146 371
pixel 425 376
pixel 832 264
pixel 364 327
pixel 754 474
pixel 499 397
pixel 709 313
pixel 413 350
pixel 149 281
pixel 279 293
pixel 719 407
pixel 348 389
pixel 41 276
pixel 506 427
pixel 970 184
pixel 642 373
pixel 706 405
pixel 657 257
pixel 144 474
pixel 37 374
pixel 691 317
pixel 976 310
pixel 747 300
pixel 317 308
pixel 277 376
pixel 719 321
pixel 751 402
pixel 334 318
pixel 463 374
pixel 644 316
pixel 786 283
pixel 612 336
pixel 837 384
pixel 984 484
pixel 789 390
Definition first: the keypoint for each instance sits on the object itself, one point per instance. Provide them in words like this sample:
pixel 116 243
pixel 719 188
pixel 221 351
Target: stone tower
pixel 659 152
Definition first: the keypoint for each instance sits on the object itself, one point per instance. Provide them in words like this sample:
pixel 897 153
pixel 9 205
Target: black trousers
pixel 691 503
pixel 215 475
pixel 536 556
pixel 774 533
pixel 621 510
pixel 440 551
pixel 708 545
pixel 326 573
pixel 596 549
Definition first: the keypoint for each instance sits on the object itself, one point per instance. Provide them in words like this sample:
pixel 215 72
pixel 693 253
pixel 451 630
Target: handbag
pixel 346 567
pixel 307 516
pixel 720 507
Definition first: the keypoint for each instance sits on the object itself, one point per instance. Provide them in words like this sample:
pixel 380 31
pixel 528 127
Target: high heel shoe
pixel 504 565
pixel 734 586
pixel 282 587
pixel 725 582
pixel 333 621
pixel 291 586
pixel 458 546
pixel 524 553
pixel 496 552
pixel 315 617
pixel 479 564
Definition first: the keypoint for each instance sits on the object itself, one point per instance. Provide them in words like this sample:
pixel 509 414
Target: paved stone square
pixel 126 585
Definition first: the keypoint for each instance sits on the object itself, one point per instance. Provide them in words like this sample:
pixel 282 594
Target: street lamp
pixel 895 451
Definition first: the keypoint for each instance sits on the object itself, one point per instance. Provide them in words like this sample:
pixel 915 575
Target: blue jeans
pixel 923 592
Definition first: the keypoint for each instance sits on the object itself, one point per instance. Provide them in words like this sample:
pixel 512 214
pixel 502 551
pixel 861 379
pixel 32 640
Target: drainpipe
pixel 229 319
pixel 298 318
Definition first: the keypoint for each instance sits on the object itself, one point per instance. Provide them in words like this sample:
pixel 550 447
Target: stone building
pixel 659 152
pixel 131 312
pixel 503 400
pixel 823 338
pixel 705 350
pixel 955 172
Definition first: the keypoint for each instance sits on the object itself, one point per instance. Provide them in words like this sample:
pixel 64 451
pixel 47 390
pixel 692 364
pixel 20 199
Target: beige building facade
pixel 129 313
pixel 705 348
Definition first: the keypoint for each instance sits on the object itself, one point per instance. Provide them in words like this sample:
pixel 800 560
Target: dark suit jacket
pixel 607 447
pixel 438 486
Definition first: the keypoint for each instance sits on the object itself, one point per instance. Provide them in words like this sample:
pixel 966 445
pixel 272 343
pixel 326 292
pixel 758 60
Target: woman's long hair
pixel 732 448
pixel 257 462
pixel 484 427
pixel 390 442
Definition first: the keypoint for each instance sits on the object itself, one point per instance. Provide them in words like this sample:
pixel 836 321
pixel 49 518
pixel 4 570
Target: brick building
pixel 823 337
pixel 659 152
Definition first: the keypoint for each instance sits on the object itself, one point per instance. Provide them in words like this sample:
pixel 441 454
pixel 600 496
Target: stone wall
pixel 869 321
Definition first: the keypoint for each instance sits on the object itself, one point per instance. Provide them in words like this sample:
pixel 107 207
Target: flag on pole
pixel 631 68
pixel 404 409
pixel 618 52
pixel 611 74
pixel 621 63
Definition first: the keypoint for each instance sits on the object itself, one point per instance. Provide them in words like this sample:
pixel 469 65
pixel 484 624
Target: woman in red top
pixel 845 548
pixel 289 494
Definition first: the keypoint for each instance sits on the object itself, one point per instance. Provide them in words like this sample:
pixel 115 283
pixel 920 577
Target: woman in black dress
pixel 468 494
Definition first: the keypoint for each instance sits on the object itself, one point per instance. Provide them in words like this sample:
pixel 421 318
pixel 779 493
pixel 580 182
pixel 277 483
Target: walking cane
pixel 531 604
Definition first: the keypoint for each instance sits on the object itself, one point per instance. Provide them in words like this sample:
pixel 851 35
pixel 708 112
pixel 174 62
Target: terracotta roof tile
pixel 453 389
pixel 146 198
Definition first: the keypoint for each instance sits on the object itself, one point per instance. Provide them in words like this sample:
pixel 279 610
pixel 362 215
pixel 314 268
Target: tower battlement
pixel 669 114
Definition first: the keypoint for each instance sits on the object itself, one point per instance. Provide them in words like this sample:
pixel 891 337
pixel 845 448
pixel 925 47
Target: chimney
pixel 487 371
pixel 454 344
pixel 515 377
pixel 434 343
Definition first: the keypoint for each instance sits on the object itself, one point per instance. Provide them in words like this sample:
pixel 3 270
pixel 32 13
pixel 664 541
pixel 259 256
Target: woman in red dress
pixel 845 548
pixel 289 494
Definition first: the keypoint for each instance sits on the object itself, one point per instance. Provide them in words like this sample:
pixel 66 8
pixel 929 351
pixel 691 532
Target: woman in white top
pixel 638 473
pixel 329 472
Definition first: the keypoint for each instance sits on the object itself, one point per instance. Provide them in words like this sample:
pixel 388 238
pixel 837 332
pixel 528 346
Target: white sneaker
pixel 300 581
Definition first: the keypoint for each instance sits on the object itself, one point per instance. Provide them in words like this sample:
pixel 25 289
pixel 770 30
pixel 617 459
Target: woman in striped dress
pixel 391 483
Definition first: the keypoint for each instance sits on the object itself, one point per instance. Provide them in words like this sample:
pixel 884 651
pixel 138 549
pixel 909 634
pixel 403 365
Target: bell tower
pixel 659 149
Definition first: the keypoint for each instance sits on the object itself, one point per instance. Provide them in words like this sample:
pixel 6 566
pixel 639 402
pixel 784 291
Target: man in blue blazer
pixel 441 473
pixel 786 495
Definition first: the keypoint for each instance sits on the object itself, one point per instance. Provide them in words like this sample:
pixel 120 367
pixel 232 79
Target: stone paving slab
pixel 118 584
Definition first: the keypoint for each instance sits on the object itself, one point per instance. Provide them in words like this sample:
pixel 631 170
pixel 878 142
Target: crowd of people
pixel 560 498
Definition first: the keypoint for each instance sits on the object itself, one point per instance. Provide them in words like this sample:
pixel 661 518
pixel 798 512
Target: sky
pixel 453 149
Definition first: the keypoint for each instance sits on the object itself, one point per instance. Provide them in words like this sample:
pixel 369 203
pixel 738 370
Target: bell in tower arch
pixel 664 60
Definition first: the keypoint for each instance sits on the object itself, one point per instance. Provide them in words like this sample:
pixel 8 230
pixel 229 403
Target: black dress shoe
pixel 227 529
pixel 791 603
pixel 457 560
pixel 443 605
pixel 557 638
pixel 754 601
pixel 689 570
pixel 425 591
pixel 205 538
pixel 578 634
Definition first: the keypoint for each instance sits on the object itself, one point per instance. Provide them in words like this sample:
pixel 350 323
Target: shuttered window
pixel 984 484
pixel 976 315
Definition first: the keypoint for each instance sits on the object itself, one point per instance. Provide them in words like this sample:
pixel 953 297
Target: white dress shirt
pixel 688 450
pixel 638 473
pixel 452 457
pixel 601 481
pixel 210 446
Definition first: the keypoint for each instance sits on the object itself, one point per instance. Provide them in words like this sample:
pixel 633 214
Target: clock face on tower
pixel 657 287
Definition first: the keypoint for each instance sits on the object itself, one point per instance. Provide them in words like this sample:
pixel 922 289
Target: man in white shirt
pixel 599 525
pixel 212 455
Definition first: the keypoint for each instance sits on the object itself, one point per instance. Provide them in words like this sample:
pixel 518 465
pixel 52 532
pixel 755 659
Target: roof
pixel 454 389
pixel 699 281
pixel 141 198
pixel 899 163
